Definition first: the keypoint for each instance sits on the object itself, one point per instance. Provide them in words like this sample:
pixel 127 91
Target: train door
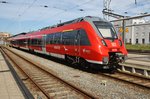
pixel 44 43
pixel 77 43
pixel 27 44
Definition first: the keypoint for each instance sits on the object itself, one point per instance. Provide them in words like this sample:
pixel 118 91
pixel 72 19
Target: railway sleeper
pixel 58 89
pixel 67 97
pixel 59 93
pixel 42 78
pixel 147 84
pixel 40 81
pixel 47 83
pixel 137 81
pixel 39 78
pixel 52 85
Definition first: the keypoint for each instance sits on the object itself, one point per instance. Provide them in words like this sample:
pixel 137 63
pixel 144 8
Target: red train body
pixel 84 40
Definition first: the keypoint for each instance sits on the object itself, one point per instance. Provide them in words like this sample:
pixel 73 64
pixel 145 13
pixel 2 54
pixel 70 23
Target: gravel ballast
pixel 93 83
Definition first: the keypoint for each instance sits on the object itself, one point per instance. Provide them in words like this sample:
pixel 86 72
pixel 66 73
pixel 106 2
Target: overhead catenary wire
pixel 27 8
pixel 20 15
pixel 72 8
pixel 15 18
pixel 65 10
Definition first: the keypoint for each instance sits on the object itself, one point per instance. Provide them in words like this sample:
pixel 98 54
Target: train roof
pixel 86 18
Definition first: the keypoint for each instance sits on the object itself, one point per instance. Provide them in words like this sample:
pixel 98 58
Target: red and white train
pixel 88 41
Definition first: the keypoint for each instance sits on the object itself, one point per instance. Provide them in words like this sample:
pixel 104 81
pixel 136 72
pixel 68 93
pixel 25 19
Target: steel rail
pixel 26 74
pixel 77 89
pixel 26 93
pixel 130 78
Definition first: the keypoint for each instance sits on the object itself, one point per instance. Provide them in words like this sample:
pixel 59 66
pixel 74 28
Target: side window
pixel 73 37
pixel 68 38
pixel 57 38
pixel 36 42
pixel 33 42
pixel 84 38
pixel 28 41
pixel 22 42
pixel 65 38
pixel 49 38
pixel 39 42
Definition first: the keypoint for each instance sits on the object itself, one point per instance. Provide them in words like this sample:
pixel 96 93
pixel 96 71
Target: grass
pixel 137 47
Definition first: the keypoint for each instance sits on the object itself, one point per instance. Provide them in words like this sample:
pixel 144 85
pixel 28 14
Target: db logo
pixel 113 44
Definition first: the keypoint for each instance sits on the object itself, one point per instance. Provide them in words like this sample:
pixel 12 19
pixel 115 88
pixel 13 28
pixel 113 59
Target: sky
pixel 17 16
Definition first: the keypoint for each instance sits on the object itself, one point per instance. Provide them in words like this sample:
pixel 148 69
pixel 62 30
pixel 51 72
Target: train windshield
pixel 106 29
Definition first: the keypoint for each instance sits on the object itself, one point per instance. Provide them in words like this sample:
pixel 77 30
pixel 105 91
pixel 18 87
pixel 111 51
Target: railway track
pixel 51 85
pixel 130 78
pixel 140 60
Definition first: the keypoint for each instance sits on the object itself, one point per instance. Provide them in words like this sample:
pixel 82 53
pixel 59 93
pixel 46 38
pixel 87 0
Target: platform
pixel 8 86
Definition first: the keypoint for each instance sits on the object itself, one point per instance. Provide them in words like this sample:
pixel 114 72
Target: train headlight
pixel 104 43
pixel 120 42
pixel 105 60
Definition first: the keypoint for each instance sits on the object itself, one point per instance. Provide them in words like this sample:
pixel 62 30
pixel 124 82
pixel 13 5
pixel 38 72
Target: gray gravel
pixel 100 86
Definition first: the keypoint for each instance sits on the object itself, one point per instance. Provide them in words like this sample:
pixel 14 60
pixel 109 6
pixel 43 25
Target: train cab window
pixel 106 29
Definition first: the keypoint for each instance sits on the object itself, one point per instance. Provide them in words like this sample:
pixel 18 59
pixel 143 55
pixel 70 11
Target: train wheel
pixel 113 70
pixel 95 67
pixel 83 63
pixel 68 59
pixel 31 50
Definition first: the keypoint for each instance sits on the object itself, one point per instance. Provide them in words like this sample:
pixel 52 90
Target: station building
pixel 137 31
pixel 3 37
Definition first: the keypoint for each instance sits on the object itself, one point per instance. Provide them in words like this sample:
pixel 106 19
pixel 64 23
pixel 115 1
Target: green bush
pixel 137 47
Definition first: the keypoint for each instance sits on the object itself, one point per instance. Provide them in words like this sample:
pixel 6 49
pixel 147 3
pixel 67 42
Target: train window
pixel 84 38
pixel 22 42
pixel 33 41
pixel 65 38
pixel 68 38
pixel 36 42
pixel 49 38
pixel 57 38
pixel 28 41
pixel 39 42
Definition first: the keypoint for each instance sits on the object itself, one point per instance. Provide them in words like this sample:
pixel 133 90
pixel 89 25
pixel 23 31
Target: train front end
pixel 110 47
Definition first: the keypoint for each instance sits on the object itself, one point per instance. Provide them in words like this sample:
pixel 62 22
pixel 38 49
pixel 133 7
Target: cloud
pixel 35 14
